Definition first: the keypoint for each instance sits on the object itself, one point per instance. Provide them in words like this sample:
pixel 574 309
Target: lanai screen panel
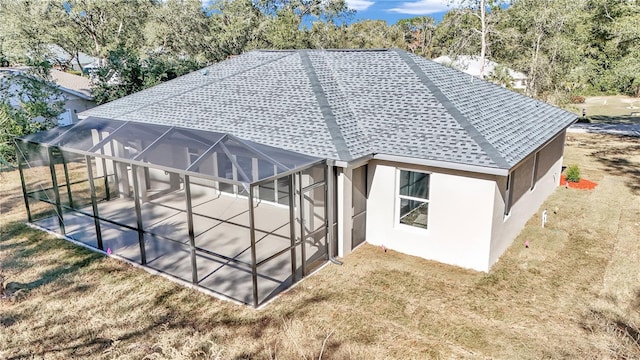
pixel 130 140
pixel 179 148
pixel 224 213
pixel 85 134
pixel 215 155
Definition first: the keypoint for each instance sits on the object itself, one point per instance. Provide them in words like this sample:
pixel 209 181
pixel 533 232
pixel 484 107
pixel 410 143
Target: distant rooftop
pixel 70 83
pixel 80 84
pixel 471 65
pixel 62 55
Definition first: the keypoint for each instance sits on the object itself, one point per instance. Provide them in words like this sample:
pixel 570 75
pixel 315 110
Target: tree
pixel 158 69
pixel 373 34
pixel 24 31
pixel 484 25
pixel 306 10
pixel 125 73
pixel 121 75
pixel 454 35
pixel 548 34
pixel 500 76
pixel 107 24
pixel 418 34
pixel 285 23
pixel 29 102
pixel 179 28
pixel 615 46
pixel 236 26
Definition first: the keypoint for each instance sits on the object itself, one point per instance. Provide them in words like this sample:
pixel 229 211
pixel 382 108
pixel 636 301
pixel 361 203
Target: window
pixel 413 197
pixel 193 153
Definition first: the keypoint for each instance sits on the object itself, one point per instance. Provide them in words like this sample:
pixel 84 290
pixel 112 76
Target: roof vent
pixel 204 72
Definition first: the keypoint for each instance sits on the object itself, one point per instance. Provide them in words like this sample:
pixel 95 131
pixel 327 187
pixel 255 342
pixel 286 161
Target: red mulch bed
pixel 582 184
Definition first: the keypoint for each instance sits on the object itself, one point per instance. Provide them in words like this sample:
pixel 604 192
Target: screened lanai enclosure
pixel 238 218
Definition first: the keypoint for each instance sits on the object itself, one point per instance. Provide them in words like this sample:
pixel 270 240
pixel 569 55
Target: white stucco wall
pixel 344 210
pixel 526 201
pixel 460 215
pixel 77 104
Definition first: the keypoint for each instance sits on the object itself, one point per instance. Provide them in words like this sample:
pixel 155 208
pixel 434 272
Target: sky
pixel 393 10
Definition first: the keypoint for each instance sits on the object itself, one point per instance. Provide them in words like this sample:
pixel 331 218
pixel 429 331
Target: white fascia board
pixel 76 93
pixel 338 163
pixel 352 163
pixel 443 164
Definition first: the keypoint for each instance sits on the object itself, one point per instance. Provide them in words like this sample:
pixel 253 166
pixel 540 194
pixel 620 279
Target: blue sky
pixel 393 10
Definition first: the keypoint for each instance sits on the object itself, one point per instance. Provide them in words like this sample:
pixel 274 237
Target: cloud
pixel 421 7
pixel 359 5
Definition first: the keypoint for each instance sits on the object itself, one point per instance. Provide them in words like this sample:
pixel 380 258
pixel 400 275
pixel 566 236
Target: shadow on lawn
pixel 51 275
pixel 14 205
pixel 596 321
pixel 33 243
pixel 176 318
pixel 27 245
pixel 617 163
pixel 605 119
pixel 11 231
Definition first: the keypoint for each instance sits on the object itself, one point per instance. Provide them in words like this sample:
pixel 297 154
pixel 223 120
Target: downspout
pixel 330 194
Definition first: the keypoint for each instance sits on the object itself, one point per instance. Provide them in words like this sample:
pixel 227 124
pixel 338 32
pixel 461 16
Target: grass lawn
pixel 610 109
pixel 574 293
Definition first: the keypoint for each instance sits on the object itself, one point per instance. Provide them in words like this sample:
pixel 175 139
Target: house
pixel 74 91
pixel 472 66
pixel 80 61
pixel 247 175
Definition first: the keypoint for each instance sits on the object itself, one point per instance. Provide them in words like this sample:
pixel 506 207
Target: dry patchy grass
pixel 574 293
pixel 609 109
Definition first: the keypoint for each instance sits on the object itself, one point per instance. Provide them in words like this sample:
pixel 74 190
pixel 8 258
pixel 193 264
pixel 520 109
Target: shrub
pixel 573 173
pixel 576 99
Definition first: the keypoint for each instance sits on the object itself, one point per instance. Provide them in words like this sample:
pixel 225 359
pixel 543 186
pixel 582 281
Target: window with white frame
pixel 192 156
pixel 413 198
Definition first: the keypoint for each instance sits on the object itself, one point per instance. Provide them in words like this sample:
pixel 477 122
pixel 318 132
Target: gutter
pixel 443 164
pixel 75 92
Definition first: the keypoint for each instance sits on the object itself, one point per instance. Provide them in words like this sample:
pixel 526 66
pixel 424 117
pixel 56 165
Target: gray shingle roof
pixel 345 104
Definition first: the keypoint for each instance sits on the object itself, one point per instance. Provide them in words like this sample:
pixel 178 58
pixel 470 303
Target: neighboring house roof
pixel 63 55
pixel 68 83
pixel 346 104
pixel 75 84
pixel 471 65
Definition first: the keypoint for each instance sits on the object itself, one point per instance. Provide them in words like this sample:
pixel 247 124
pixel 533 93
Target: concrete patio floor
pixel 221 226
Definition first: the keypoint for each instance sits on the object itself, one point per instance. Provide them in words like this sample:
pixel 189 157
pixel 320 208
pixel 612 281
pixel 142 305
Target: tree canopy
pixel 565 47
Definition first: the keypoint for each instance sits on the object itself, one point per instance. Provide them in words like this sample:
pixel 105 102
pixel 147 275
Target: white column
pixel 345 224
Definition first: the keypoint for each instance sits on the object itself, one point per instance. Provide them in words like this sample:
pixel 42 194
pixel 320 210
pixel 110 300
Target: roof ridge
pixel 473 132
pixel 327 112
pixel 204 84
pixel 339 89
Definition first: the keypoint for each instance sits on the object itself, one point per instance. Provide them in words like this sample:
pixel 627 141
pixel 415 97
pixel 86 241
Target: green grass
pixel 574 293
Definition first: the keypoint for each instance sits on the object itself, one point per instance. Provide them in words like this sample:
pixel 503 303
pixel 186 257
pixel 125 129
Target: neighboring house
pixel 74 91
pixel 472 65
pixel 379 146
pixel 80 61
